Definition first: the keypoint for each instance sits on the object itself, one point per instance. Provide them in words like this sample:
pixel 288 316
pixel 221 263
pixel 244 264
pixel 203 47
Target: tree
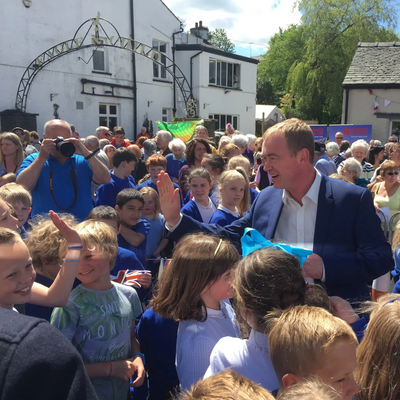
pixel 266 93
pixel 219 38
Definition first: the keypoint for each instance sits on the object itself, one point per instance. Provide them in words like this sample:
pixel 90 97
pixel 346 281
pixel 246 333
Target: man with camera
pixel 59 177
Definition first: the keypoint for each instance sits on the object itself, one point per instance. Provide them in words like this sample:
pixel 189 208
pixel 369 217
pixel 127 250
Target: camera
pixel 67 149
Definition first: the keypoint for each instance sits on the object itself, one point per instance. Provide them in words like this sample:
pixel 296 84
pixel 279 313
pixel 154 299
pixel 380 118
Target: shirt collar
pixel 235 214
pixel 177 159
pixel 312 193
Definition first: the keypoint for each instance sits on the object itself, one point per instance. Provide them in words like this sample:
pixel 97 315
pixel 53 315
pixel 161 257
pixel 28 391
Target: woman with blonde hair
pixel 11 153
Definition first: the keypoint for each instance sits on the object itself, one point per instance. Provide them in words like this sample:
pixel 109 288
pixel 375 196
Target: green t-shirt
pixel 98 323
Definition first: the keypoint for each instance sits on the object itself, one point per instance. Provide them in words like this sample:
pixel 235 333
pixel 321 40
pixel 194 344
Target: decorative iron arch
pixel 116 41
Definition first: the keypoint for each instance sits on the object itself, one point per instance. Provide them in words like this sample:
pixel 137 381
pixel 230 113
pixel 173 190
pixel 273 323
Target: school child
pixel 134 228
pixel 234 192
pixel 192 290
pixel 176 160
pixel 126 259
pixel 99 316
pixel 21 200
pixel 17 276
pixel 378 363
pixel 227 385
pixel 241 161
pixel 306 341
pixel 265 280
pixel 200 207
pixel 310 389
pixel 156 242
pixel 43 244
pixel 124 162
pixel 155 164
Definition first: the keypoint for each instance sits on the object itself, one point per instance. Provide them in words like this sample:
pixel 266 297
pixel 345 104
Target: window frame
pixel 224 119
pixel 156 44
pixel 109 115
pixel 223 74
pixel 99 49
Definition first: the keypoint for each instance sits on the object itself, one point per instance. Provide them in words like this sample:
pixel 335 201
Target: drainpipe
pixel 133 73
pixel 191 70
pixel 174 69
pixel 346 110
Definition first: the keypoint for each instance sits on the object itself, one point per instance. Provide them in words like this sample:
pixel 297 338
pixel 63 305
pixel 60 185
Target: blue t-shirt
pixel 156 233
pixel 107 193
pixel 42 201
pixel 222 218
pixel 142 227
pixel 126 259
pixel 149 183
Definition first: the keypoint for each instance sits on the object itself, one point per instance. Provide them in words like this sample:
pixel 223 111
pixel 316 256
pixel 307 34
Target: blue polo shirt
pixel 42 201
pixel 107 193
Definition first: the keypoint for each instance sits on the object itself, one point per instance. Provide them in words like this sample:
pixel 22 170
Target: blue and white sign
pixel 319 131
pixel 351 132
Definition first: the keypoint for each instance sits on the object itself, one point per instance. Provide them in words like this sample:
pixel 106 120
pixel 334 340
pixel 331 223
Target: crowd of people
pixel 132 252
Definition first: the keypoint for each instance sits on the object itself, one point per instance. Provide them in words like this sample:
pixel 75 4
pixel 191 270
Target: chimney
pixel 200 31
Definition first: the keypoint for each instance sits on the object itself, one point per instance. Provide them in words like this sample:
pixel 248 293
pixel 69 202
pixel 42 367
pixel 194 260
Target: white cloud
pixel 251 21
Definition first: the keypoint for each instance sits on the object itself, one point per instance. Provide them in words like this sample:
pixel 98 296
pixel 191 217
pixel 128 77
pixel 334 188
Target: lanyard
pixel 74 184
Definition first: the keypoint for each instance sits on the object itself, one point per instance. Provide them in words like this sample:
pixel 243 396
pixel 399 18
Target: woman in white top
pixel 266 280
pixel 192 290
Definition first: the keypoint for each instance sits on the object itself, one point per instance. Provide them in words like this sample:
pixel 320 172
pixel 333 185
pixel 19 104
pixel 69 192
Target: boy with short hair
pixel 124 162
pixel 99 316
pixel 21 200
pixel 155 164
pixel 309 341
pixel 134 228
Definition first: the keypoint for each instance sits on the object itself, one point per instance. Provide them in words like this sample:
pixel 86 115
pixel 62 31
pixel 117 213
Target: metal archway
pixel 115 41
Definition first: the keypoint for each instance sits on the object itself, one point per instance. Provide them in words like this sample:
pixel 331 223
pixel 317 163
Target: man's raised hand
pixel 169 199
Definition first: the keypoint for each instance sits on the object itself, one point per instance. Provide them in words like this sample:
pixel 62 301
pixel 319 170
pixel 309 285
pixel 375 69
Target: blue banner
pixel 319 131
pixel 351 132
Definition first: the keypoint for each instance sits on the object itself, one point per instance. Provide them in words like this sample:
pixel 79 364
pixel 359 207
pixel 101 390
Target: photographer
pixel 58 179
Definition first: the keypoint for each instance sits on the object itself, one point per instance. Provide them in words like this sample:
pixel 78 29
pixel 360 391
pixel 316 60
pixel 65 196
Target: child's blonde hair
pixel 310 389
pixel 378 369
pixel 302 337
pixel 45 240
pixel 226 385
pixel 8 236
pixel 7 178
pixel 237 173
pixel 13 193
pixel 197 261
pixel 240 161
pixel 154 195
pixel 97 235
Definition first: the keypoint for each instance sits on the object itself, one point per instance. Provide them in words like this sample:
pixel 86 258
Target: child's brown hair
pixel 378 370
pixel 14 193
pixel 199 172
pixel 156 160
pixel 196 261
pixel 301 338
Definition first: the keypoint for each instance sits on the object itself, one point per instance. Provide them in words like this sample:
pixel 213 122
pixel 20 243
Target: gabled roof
pixel 375 65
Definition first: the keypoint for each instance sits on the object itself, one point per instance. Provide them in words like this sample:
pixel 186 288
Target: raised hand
pixel 169 199
pixel 70 235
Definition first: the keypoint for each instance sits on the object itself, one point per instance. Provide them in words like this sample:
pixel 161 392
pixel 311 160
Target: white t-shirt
pixel 206 212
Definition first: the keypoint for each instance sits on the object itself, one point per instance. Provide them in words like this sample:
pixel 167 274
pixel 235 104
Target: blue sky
pixel 249 24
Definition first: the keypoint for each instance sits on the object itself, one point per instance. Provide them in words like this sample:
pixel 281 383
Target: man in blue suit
pixel 305 209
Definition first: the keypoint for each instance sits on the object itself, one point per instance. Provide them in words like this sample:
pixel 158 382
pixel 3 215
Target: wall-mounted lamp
pixel 227 91
pixel 148 103
pixel 205 105
pixel 248 108
pixel 52 95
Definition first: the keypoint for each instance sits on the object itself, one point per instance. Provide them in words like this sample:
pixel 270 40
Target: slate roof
pixel 375 64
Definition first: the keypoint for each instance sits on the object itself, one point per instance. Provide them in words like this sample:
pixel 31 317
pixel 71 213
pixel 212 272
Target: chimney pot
pixel 201 23
pixel 196 25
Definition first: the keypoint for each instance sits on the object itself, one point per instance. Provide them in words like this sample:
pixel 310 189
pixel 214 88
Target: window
pixel 108 115
pixel 165 114
pixel 225 119
pixel 158 71
pixel 99 56
pixel 224 74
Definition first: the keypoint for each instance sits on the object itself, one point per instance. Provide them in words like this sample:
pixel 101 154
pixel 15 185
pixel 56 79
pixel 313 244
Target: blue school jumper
pixel 222 218
pixel 192 210
pixel 253 194
pixel 107 193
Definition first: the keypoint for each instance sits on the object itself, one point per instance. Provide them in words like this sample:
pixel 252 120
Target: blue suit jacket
pixel 348 236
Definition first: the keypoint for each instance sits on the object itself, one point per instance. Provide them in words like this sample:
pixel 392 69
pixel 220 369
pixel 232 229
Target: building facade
pixel 125 63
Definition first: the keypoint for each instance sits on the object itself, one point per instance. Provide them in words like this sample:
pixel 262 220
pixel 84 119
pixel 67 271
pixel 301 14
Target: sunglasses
pixel 392 173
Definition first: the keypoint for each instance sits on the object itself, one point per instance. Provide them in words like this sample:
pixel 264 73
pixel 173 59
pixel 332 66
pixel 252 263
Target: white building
pixel 114 63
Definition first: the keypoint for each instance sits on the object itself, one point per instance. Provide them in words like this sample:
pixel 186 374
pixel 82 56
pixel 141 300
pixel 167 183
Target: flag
pixel 180 130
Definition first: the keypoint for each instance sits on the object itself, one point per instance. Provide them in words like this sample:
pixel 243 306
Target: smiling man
pixel 305 209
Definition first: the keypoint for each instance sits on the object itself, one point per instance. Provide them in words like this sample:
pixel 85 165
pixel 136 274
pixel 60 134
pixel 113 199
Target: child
pixel 134 228
pixel 7 178
pixel 155 164
pixel 308 341
pixel 200 207
pixel 240 161
pixel 191 290
pixel 234 191
pixel 176 160
pixel 156 242
pixel 396 255
pixel 310 389
pixel 17 276
pixel 378 369
pixel 265 280
pixel 21 200
pixel 99 316
pixel 124 162
pixel 44 243
pixel 227 385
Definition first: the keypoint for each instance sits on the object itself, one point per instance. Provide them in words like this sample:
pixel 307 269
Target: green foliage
pixel 219 38
pixel 265 92
pixel 309 61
